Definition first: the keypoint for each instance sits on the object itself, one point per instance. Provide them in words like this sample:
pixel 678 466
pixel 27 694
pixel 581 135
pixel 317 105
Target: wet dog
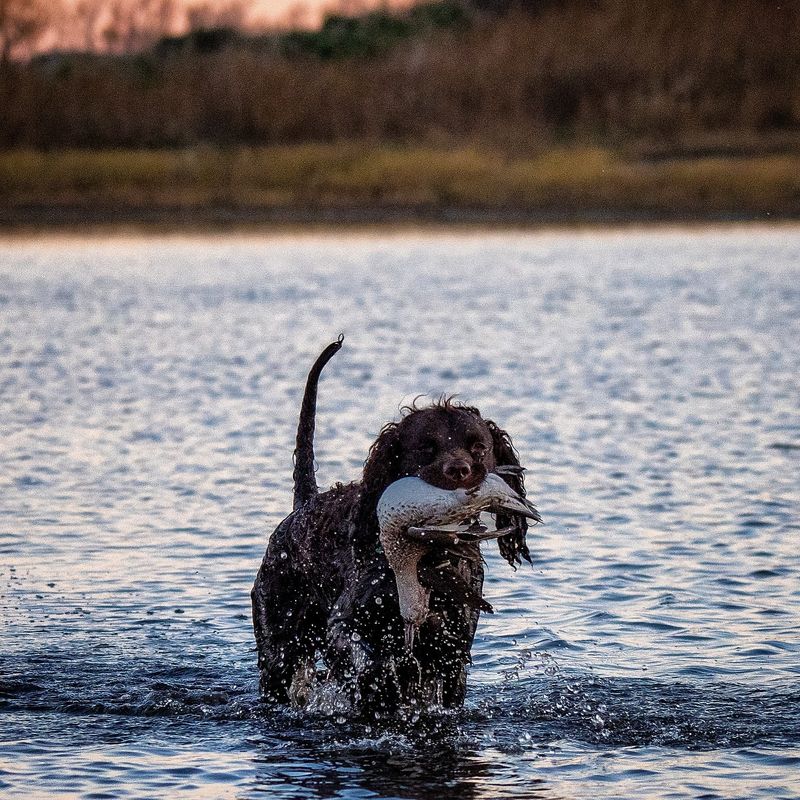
pixel 325 593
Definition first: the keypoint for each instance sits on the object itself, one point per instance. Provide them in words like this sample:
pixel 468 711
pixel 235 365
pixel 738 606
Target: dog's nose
pixel 457 470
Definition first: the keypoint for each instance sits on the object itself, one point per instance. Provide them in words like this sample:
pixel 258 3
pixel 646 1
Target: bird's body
pixel 414 516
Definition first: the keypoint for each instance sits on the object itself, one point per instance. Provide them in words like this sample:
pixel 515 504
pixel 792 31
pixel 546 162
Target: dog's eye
pixel 427 449
pixel 479 449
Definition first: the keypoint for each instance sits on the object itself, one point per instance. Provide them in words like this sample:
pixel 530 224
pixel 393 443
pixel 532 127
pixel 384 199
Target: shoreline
pixel 363 185
pixel 36 218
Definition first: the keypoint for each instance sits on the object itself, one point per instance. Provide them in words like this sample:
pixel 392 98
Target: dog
pixel 325 595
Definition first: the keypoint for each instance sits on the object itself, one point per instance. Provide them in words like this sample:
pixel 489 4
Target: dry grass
pixel 369 176
pixel 610 72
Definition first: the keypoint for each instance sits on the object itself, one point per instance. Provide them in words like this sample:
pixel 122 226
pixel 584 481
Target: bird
pixel 414 516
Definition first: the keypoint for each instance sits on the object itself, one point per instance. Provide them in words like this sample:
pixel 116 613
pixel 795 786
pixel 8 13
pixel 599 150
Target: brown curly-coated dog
pixel 325 590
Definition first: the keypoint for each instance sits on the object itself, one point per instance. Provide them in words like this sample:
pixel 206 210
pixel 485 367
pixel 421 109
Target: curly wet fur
pixel 325 590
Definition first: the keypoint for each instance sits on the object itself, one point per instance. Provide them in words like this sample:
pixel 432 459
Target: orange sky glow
pixel 86 27
pixel 311 12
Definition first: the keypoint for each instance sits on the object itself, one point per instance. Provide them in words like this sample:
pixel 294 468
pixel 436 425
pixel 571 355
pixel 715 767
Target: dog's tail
pixel 305 484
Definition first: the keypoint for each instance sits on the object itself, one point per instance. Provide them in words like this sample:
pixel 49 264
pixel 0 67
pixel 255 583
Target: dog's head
pixel 446 446
pixel 450 446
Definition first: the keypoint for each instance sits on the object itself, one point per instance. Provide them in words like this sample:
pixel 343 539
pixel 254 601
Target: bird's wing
pixel 432 534
pixel 446 581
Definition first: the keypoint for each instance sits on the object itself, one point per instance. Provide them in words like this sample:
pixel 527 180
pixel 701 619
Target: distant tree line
pixel 109 26
pixel 513 73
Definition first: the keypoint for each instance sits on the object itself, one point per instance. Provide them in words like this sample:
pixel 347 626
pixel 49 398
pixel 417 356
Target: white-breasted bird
pixel 414 516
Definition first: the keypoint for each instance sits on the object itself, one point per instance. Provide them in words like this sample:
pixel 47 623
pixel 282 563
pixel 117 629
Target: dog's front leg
pixel 365 649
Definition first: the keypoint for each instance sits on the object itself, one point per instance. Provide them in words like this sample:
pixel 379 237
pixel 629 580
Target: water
pixel 149 389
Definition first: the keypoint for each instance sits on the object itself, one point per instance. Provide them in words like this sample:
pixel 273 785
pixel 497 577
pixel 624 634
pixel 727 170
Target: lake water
pixel 149 390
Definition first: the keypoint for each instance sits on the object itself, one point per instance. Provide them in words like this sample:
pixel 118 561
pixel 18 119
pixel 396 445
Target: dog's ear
pixel 513 547
pixel 382 466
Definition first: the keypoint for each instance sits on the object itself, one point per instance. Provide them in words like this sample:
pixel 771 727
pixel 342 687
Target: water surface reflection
pixel 149 389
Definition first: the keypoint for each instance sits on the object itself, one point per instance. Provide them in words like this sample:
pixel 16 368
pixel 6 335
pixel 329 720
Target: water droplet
pixel 378 601
pixel 355 637
pixel 284 554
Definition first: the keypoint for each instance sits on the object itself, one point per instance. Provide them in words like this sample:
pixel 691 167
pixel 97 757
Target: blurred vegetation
pixel 602 71
pixel 687 103
pixel 374 33
pixel 347 176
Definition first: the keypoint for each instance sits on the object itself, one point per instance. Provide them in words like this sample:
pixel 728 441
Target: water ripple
pixel 149 389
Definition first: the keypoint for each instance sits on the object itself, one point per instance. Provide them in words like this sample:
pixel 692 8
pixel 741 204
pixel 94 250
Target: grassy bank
pixel 328 180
